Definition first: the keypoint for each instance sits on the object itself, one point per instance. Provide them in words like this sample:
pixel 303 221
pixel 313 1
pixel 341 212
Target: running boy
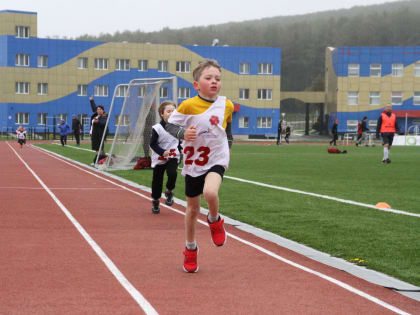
pixel 165 156
pixel 21 136
pixel 204 122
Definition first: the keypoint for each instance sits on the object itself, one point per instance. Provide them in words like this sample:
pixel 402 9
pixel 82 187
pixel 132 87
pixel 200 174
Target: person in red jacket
pixel 387 126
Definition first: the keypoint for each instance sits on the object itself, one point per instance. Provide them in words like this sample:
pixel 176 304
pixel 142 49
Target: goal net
pixel 133 124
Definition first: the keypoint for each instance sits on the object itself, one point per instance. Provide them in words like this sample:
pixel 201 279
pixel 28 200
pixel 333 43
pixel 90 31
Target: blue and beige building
pixel 360 81
pixel 43 80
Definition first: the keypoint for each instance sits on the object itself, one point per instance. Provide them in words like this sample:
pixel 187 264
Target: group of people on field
pixel 386 127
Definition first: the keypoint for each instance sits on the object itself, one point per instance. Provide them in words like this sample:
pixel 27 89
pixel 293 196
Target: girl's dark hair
pixel 162 106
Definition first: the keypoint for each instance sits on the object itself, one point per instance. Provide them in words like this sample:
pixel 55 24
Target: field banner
pixel 406 140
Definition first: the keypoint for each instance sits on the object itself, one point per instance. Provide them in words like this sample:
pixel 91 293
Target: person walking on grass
pixel 64 131
pixel 334 133
pixel 362 131
pixel 204 123
pixel 165 157
pixel 387 126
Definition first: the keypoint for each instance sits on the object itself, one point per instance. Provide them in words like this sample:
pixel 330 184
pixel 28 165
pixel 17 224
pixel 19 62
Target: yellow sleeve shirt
pixel 196 105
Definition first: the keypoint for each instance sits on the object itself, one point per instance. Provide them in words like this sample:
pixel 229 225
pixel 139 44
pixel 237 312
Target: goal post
pixel 133 123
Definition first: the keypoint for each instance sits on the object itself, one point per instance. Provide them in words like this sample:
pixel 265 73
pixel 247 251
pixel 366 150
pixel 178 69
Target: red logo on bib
pixel 214 120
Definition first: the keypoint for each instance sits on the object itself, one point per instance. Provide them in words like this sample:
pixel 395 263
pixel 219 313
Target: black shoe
pixel 388 161
pixel 357 144
pixel 169 198
pixel 155 206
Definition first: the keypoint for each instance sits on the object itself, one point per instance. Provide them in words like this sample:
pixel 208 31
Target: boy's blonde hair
pixel 206 63
pixel 162 106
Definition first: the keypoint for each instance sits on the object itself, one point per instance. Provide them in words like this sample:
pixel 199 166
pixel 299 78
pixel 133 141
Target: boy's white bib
pixel 21 134
pixel 167 142
pixel 211 145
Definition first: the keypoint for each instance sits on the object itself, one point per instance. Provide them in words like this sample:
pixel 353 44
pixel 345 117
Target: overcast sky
pixel 73 18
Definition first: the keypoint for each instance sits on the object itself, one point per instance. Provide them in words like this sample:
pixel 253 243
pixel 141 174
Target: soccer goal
pixel 139 112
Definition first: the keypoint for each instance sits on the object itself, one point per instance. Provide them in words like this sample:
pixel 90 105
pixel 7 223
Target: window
pixel 122 91
pixel 244 94
pixel 243 122
pixel 183 66
pixel 244 68
pixel 122 64
pixel 101 90
pixel 42 88
pixel 352 125
pixel 82 63
pixel 22 118
pixel 264 94
pixel 417 69
pixel 163 66
pixel 142 91
pixel 265 68
pixel 354 69
pixel 397 69
pixel 122 120
pixel 163 92
pixel 264 122
pixel 22 31
pixel 42 119
pixel 84 119
pixel 61 117
pixel 22 60
pixel 375 70
pixel 375 98
pixel 143 65
pixel 372 125
pixel 416 98
pixel 101 64
pixel 22 87
pixel 396 98
pixel 183 93
pixel 42 61
pixel 82 89
pixel 353 98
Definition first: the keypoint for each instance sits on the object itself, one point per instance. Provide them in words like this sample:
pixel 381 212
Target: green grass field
pixel 386 242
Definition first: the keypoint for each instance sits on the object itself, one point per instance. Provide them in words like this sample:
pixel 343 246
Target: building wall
pixel 63 76
pixel 9 19
pixel 364 82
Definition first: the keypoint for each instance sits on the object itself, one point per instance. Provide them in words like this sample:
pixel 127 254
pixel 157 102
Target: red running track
pixel 74 241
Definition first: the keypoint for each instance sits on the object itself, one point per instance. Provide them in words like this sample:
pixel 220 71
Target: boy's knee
pixel 210 194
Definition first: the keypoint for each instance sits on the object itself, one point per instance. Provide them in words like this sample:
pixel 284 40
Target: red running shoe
pixel 218 233
pixel 190 260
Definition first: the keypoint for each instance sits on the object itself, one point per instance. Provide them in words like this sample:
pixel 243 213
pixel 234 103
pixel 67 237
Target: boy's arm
pixel 378 126
pixel 229 134
pixel 175 131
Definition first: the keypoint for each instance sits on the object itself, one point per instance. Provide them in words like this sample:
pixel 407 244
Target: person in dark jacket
pixel 64 130
pixel 334 133
pixel 387 126
pixel 77 127
pixel 287 135
pixel 97 130
pixel 362 131
pixel 279 130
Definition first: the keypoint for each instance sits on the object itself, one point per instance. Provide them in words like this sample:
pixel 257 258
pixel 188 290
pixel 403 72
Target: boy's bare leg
pixel 193 208
pixel 211 192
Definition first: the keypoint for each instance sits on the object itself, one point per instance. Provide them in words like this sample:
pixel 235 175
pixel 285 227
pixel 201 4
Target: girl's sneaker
pixel 155 206
pixel 169 198
pixel 190 260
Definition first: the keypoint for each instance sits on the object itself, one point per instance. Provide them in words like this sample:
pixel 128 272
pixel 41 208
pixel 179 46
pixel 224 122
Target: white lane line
pixel 323 196
pixel 257 247
pixel 138 297
pixel 60 188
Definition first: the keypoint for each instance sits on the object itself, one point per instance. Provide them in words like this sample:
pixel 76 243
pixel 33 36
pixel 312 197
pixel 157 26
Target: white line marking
pixel 324 196
pixel 259 248
pixel 138 297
